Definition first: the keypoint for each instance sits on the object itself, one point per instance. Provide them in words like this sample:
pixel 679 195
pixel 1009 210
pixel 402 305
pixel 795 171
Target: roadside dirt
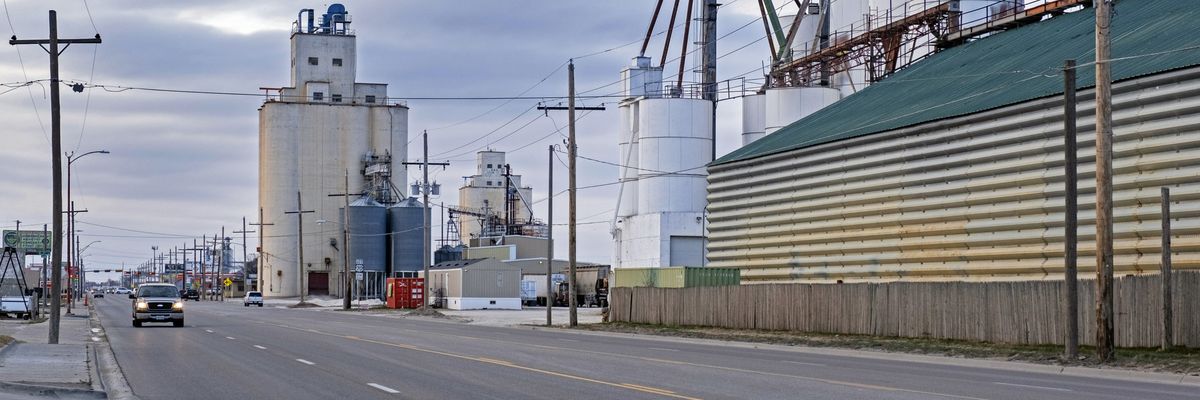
pixel 1182 361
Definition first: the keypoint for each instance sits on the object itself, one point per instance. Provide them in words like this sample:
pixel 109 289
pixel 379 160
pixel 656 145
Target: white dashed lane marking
pixel 383 388
pixel 259 347
pixel 1034 387
pixel 306 361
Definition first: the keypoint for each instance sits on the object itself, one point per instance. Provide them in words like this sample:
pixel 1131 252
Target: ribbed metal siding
pixel 977 197
pixel 491 283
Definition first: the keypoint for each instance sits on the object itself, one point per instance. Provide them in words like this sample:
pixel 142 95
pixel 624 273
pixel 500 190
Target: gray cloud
pixel 188 163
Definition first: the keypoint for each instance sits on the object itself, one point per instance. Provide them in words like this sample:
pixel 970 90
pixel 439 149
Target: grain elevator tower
pixel 312 133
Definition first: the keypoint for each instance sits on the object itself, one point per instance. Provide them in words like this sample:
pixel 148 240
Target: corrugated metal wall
pixel 978 197
pixel 491 283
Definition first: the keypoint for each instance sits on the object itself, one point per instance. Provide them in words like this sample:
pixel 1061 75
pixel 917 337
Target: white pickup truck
pixel 20 306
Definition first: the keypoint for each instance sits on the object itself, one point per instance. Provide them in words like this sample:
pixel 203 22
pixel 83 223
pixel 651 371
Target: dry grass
pixel 1183 361
pixel 5 340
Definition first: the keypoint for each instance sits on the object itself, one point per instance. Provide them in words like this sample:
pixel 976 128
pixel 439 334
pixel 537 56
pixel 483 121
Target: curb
pixel 112 379
pixel 52 391
pixel 1086 372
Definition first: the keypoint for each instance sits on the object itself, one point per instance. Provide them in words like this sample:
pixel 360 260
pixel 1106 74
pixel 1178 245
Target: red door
pixel 318 283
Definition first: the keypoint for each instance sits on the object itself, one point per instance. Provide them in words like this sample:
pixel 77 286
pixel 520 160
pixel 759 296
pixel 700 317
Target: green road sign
pixel 29 242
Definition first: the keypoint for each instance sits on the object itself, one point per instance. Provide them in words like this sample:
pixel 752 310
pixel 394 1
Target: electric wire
pixel 24 73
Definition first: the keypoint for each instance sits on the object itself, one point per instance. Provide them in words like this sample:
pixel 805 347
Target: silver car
pixel 157 302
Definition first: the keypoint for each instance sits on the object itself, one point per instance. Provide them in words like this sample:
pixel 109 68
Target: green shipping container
pixel 676 277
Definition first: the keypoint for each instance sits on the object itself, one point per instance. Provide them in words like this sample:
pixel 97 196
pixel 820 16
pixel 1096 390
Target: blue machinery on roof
pixel 333 22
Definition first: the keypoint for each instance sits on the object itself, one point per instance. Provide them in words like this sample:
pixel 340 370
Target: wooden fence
pixel 1003 312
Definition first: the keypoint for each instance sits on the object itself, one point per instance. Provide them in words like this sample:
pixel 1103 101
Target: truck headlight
pixel 177 306
pixel 141 305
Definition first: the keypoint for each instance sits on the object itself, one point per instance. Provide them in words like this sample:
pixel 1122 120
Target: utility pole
pixel 220 266
pixel 300 211
pixel 550 234
pixel 56 158
pixel 1105 341
pixel 261 253
pixel 571 185
pixel 245 251
pixel 1071 214
pixel 345 242
pixel 571 234
pixel 1168 338
pixel 200 259
pixel 708 58
pixel 428 239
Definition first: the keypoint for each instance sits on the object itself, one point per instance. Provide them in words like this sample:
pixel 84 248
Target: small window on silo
pixel 489 166
pixel 337 62
pixel 370 98
pixel 318 96
pixel 312 61
pixel 489 183
pixel 336 98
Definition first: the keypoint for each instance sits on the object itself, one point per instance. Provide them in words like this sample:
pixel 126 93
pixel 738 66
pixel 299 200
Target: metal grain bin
pixel 675 277
pixel 368 235
pixel 407 235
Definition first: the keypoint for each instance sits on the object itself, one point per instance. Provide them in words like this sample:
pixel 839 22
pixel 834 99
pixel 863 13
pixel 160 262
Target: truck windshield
pixel 158 291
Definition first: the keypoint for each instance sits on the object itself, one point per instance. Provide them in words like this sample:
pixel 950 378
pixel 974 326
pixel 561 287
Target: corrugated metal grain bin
pixel 676 277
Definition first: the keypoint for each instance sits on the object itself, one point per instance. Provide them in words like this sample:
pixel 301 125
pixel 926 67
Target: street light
pixel 71 158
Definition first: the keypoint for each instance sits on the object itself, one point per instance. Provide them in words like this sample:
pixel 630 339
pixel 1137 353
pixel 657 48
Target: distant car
pixel 97 293
pixel 192 294
pixel 157 302
pixel 123 291
pixel 252 298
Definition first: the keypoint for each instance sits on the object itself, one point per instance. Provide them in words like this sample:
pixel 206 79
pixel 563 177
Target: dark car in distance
pixel 190 294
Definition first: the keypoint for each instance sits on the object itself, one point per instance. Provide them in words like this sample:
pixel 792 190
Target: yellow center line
pixel 644 389
pixel 636 386
pixel 749 371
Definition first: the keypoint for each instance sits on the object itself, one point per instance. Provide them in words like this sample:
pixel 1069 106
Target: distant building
pixel 322 127
pixel 495 191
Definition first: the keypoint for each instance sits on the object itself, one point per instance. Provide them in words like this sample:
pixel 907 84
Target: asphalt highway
pixel 227 351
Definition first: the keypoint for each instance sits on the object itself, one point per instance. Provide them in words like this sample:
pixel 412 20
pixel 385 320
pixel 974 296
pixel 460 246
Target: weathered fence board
pixel 1029 312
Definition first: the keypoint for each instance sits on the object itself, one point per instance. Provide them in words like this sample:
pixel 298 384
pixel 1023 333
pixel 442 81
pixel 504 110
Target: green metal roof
pixel 1009 67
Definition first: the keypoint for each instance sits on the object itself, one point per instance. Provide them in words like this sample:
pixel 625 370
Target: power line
pixel 24 73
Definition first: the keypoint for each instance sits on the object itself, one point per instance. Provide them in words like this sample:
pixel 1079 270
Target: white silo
pixel 641 80
pixel 754 114
pixel 786 105
pixel 664 144
pixel 310 136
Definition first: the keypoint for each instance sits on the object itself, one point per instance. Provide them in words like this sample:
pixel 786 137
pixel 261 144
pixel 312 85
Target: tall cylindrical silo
pixel 368 235
pixel 406 224
pixel 787 105
pixel 627 156
pixel 279 179
pixel 674 143
pixel 754 113
pixel 803 43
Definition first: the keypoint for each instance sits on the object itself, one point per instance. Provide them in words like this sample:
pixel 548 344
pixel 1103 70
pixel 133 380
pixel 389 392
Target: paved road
pixel 227 351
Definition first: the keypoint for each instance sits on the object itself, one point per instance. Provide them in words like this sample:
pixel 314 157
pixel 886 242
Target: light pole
pixel 82 273
pixel 153 263
pixel 71 158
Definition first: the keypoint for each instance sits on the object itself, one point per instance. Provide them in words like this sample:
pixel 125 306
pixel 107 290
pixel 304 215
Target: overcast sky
pixel 184 165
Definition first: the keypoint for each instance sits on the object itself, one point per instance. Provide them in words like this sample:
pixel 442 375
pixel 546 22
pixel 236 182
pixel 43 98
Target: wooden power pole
pixel 571 202
pixel 550 236
pixel 427 235
pixel 1168 334
pixel 261 253
pixel 56 161
pixel 1071 213
pixel 300 211
pixel 1105 343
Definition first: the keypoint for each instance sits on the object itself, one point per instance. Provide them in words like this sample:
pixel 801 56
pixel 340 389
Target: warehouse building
pixel 952 168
